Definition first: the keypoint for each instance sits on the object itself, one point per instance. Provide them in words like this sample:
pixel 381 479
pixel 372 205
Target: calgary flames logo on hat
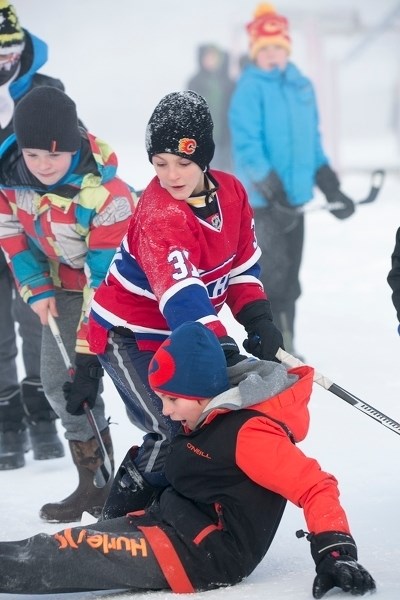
pixel 187 145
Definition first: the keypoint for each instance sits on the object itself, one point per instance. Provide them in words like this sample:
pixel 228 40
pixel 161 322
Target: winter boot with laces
pixel 87 497
pixel 41 419
pixel 14 441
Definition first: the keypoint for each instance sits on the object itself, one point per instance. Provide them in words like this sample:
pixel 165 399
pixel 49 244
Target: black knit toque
pixel 46 119
pixel 181 124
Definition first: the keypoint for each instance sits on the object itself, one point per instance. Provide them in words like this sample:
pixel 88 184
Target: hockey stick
pixel 377 179
pixel 103 473
pixel 326 383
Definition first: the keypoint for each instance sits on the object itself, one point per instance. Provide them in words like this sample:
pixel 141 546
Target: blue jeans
pixel 128 368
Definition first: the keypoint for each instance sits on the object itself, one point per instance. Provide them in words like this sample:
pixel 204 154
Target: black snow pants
pixel 280 236
pixel 110 555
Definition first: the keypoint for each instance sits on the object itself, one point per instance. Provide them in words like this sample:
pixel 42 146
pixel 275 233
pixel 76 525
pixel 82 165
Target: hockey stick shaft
pixel 104 473
pixel 348 397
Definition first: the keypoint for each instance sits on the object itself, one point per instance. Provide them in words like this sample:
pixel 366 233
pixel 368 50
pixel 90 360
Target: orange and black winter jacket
pixel 230 479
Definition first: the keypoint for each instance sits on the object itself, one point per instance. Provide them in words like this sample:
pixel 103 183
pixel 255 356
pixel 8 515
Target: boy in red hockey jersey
pixel 190 249
pixel 215 522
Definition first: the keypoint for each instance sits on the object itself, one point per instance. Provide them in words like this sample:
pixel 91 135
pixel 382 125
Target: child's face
pixel 179 176
pixel 271 57
pixel 48 167
pixel 182 409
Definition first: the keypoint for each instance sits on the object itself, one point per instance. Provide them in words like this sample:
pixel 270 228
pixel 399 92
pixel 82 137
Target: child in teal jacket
pixel 278 156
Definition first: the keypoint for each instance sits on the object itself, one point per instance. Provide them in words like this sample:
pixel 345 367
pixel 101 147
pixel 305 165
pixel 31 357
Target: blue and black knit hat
pixel 189 364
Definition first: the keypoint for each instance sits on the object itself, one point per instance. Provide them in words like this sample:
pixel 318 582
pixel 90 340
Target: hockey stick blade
pixel 348 397
pixel 377 179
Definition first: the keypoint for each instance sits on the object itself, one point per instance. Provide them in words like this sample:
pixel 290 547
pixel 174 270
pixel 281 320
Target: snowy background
pixel 117 59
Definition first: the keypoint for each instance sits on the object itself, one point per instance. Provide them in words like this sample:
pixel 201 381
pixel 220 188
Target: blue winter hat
pixel 189 364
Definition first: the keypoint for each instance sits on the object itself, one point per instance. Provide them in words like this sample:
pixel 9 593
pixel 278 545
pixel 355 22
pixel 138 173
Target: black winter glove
pixel 335 556
pixel 282 213
pixel 272 189
pixel 231 351
pixel 85 384
pixel 263 337
pixel 329 184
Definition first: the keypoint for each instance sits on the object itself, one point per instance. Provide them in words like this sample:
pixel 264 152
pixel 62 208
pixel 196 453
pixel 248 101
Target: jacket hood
pixel 33 58
pixel 270 388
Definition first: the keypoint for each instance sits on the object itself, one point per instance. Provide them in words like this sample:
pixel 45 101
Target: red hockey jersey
pixel 174 266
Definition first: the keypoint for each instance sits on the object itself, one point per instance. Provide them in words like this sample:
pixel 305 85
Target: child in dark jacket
pixel 215 521
pixel 394 277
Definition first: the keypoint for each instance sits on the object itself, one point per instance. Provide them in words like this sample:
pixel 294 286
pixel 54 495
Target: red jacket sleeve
pixel 265 453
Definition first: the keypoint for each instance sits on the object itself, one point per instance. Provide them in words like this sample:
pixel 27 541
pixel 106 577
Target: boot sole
pixel 94 512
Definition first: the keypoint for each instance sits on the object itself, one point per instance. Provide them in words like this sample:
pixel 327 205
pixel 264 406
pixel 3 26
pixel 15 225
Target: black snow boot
pixel 41 422
pixel 87 497
pixel 14 441
pixel 130 491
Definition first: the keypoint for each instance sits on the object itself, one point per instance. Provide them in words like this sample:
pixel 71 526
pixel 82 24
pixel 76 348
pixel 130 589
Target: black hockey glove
pixel 329 184
pixel 85 384
pixel 282 213
pixel 272 189
pixel 231 351
pixel 263 337
pixel 335 556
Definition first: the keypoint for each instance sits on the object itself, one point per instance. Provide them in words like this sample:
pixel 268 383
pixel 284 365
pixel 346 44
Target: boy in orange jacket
pixel 230 471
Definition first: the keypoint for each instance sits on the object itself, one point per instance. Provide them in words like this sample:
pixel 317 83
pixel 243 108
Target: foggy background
pixel 118 58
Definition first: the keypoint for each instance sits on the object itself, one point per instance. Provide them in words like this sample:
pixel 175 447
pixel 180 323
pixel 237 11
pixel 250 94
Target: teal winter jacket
pixel 274 125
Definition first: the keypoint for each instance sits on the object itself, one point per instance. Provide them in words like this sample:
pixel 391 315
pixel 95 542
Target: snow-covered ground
pixel 117 60
pixel 347 330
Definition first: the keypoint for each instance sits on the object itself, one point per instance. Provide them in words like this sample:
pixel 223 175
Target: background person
pixel 279 157
pixel 213 82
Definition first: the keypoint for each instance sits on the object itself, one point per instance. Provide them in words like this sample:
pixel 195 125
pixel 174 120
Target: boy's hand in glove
pixel 328 182
pixel 85 384
pixel 272 189
pixel 231 351
pixel 335 555
pixel 263 337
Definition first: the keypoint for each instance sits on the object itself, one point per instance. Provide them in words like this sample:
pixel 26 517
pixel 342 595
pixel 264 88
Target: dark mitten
pixel 263 337
pixel 231 351
pixel 335 556
pixel 272 189
pixel 282 213
pixel 329 184
pixel 85 384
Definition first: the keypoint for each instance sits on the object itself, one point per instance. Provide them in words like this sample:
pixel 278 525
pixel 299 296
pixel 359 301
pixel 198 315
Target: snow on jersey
pixel 173 267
